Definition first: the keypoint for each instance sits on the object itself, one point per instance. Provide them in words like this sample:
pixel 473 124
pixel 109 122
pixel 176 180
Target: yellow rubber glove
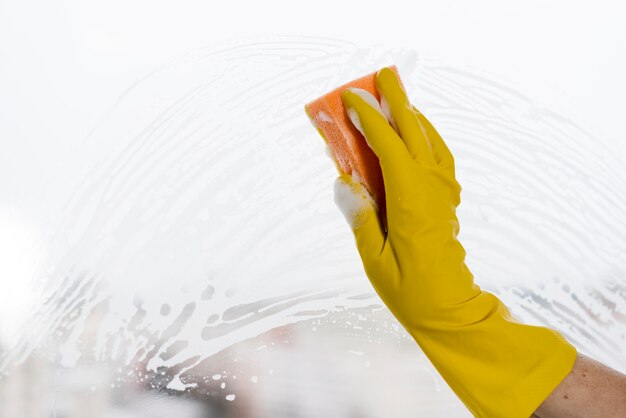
pixel 496 365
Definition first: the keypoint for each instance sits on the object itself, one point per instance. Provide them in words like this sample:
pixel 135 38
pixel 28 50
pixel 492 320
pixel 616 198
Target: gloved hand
pixel 497 366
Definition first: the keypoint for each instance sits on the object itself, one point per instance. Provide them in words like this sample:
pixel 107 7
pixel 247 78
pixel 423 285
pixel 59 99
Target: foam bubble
pixel 329 152
pixel 384 104
pixel 368 97
pixel 323 117
pixel 351 198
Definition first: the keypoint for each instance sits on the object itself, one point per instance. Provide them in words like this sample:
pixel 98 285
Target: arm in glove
pixel 497 366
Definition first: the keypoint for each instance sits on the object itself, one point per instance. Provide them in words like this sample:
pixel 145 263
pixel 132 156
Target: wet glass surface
pixel 186 258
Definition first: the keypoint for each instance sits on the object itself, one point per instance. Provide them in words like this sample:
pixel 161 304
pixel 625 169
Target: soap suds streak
pixel 323 117
pixel 218 180
pixel 351 201
pixel 384 106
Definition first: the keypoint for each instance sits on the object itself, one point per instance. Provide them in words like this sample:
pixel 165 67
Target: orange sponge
pixel 348 147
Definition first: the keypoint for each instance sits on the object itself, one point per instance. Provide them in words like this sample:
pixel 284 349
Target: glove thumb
pixel 361 213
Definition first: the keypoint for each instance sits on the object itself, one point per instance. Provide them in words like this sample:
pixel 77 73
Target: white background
pixel 63 64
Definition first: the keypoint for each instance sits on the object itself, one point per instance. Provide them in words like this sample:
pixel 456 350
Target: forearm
pixel 590 390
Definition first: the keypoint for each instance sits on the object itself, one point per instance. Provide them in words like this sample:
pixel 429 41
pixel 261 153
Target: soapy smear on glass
pixel 204 239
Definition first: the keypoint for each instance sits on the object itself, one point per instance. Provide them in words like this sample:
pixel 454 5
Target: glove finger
pixel 441 152
pixel 395 104
pixel 360 211
pixel 367 116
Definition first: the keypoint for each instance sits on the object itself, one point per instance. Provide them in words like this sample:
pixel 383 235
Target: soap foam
pixel 368 97
pixel 354 117
pixel 384 104
pixel 329 152
pixel 351 198
pixel 371 100
pixel 323 117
